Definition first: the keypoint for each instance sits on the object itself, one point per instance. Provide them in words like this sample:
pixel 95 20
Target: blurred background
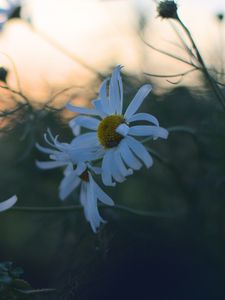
pixel 59 51
pixel 100 34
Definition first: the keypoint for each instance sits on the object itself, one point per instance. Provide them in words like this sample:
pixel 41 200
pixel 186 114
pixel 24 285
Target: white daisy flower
pixel 80 176
pixel 7 204
pixel 60 153
pixel 90 191
pixel 113 131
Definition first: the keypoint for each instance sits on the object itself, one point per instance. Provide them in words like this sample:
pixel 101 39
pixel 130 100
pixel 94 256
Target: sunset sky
pixel 101 34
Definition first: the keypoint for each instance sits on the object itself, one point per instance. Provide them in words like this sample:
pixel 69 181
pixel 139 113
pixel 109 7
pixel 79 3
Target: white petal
pixel 8 203
pixel 140 151
pixel 93 215
pixel 144 117
pixel 45 165
pixel 85 154
pixel 68 169
pixel 75 129
pixel 59 156
pixel 83 195
pixel 98 104
pixel 86 199
pixel 49 140
pixel 82 110
pixel 120 164
pixel 95 170
pixel 137 101
pixel 102 196
pixel 123 129
pixel 84 121
pixel 85 140
pixel 128 157
pixel 103 89
pixel 68 185
pixel 50 134
pixel 103 96
pixel 81 167
pixel 106 169
pixel 116 174
pixel 145 130
pixel 115 93
pixel 45 149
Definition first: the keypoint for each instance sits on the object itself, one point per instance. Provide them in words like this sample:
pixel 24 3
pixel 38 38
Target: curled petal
pixel 46 165
pixel 106 169
pixel 84 121
pixel 7 204
pixel 144 117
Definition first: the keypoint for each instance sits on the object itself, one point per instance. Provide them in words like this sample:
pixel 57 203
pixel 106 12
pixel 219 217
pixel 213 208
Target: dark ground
pixel 177 257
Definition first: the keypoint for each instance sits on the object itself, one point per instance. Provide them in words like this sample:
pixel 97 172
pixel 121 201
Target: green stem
pixel 37 291
pixel 122 208
pixel 184 129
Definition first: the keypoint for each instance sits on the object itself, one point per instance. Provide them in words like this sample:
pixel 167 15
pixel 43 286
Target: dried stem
pixel 118 207
pixel 204 69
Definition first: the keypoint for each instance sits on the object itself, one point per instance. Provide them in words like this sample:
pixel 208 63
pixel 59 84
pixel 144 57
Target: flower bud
pixel 167 9
pixel 220 16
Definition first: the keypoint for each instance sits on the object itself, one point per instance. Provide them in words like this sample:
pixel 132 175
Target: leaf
pixel 21 284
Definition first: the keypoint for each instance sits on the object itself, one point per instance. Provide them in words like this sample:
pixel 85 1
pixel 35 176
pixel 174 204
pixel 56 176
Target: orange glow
pixel 100 34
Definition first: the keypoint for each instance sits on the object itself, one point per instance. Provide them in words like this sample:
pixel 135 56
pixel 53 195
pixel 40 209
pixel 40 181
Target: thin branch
pixel 175 82
pixel 59 93
pixel 212 83
pixel 80 208
pixel 6 87
pixel 172 75
pixel 218 82
pixel 184 129
pixel 168 53
pixel 11 112
pixel 189 51
pixel 46 104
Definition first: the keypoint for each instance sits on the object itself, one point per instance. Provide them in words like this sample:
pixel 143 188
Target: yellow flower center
pixel 106 131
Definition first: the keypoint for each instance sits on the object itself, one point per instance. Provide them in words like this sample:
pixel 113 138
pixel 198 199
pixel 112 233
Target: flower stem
pixel 212 83
pixel 122 208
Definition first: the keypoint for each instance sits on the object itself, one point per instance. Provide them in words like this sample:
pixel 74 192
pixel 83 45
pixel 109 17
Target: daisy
pixel 77 174
pixel 60 153
pixel 113 132
pixel 90 191
pixel 8 203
